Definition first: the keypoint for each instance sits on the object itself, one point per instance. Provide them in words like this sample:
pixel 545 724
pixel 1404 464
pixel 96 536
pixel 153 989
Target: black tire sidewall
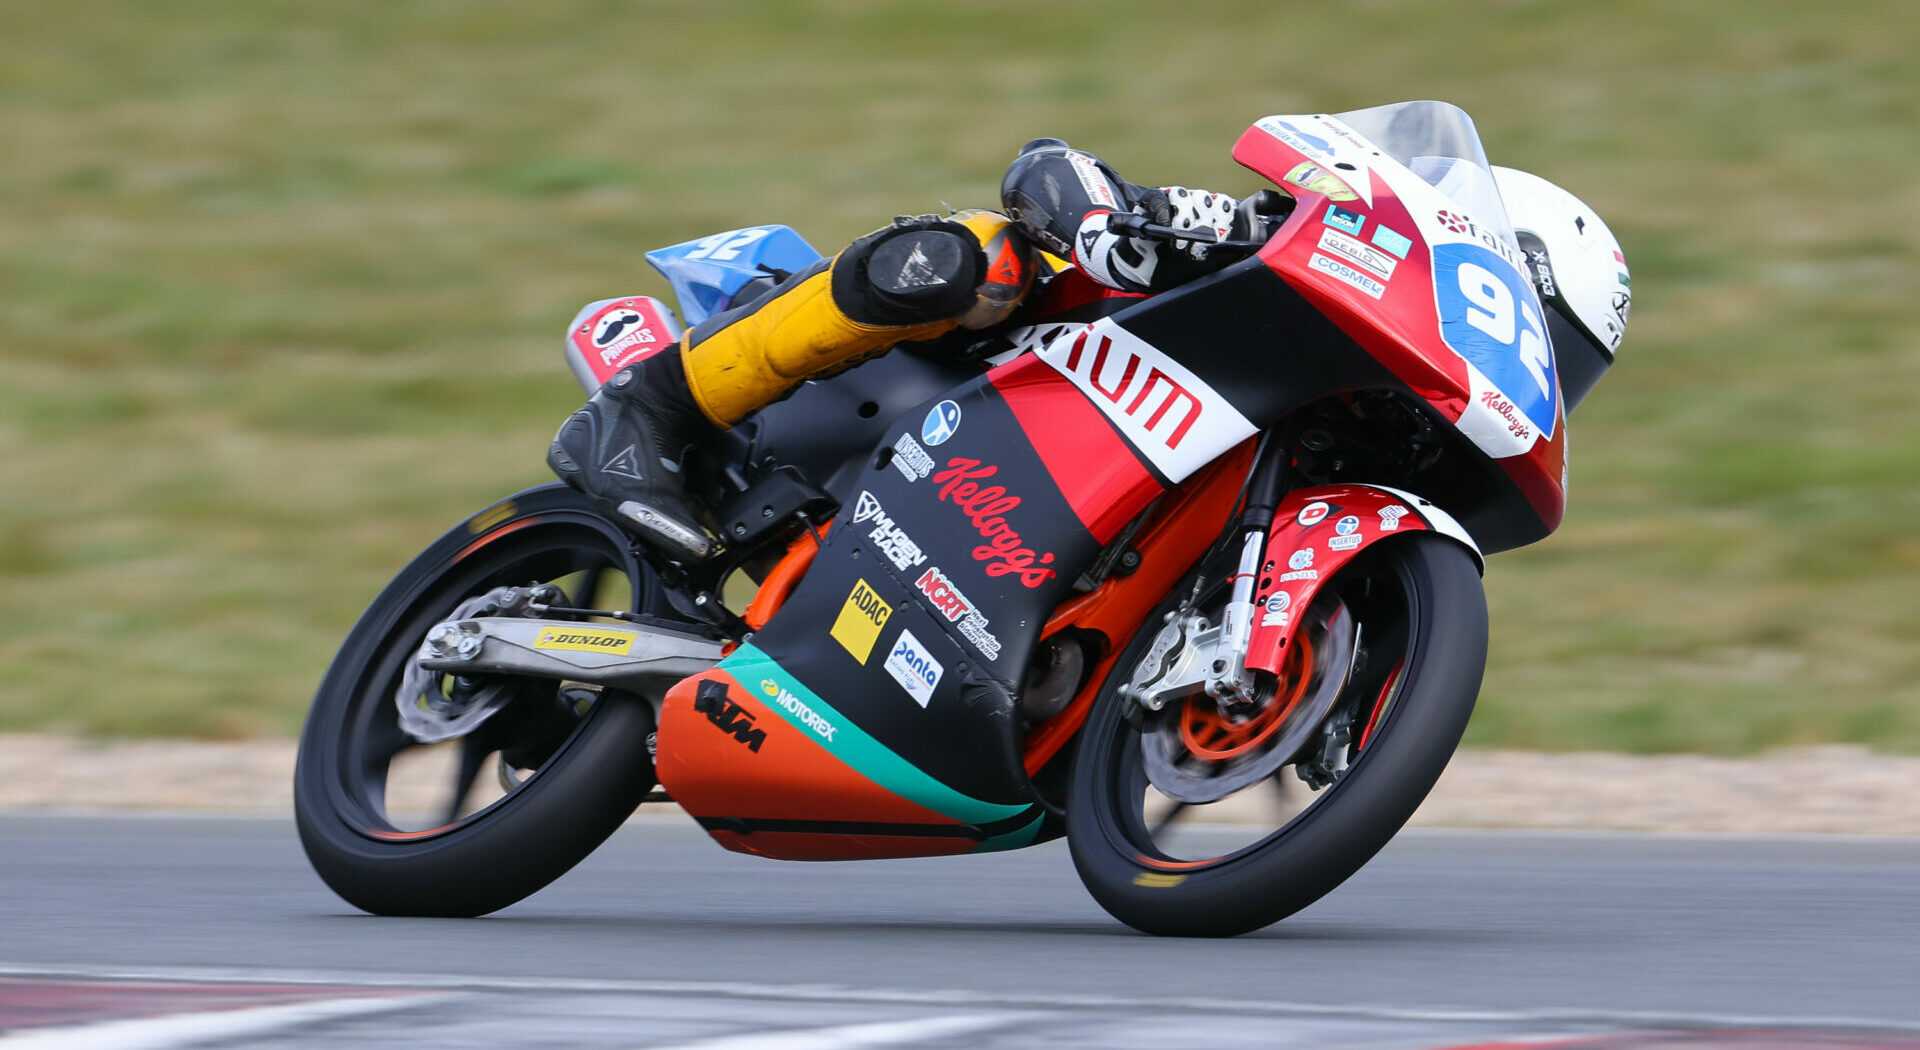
pixel 1344 829
pixel 533 836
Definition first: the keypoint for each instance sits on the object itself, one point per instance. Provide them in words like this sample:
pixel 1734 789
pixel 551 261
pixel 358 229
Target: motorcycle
pixel 1120 563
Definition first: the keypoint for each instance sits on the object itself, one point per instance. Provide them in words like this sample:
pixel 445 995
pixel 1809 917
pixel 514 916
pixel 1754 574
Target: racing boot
pixel 916 279
pixel 624 449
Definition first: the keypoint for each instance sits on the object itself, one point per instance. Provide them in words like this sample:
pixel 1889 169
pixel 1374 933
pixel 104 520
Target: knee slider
pixel 917 270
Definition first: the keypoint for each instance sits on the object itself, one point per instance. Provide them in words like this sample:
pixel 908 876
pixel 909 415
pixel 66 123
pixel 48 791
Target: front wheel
pixel 515 797
pixel 1187 822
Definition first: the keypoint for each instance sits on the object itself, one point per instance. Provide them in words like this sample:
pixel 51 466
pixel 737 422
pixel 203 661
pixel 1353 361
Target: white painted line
pixel 181 1030
pixel 851 1036
pixel 962 998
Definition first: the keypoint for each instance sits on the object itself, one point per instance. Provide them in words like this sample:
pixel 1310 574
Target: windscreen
pixel 1437 142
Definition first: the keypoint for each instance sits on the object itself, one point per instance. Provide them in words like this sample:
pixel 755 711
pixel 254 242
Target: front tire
pixel 1422 621
pixel 572 762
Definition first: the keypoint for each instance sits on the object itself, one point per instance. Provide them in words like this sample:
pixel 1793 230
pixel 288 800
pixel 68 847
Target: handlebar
pixel 1130 225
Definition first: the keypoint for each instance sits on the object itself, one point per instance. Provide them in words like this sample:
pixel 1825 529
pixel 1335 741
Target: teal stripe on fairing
pixel 1013 839
pixel 850 744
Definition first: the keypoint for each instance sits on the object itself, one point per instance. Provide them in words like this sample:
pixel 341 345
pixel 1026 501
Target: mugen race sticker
pixel 858 625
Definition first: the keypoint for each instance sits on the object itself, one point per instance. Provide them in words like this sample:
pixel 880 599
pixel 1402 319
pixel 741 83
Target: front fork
pixel 1190 656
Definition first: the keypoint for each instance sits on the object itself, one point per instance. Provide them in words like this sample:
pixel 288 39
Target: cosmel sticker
pixel 858 625
pixel 584 640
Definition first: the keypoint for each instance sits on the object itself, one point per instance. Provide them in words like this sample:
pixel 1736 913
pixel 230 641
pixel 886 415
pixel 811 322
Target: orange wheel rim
pixel 1209 734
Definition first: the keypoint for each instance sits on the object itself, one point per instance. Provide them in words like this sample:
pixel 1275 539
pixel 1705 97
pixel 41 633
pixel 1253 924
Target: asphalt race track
pixel 180 931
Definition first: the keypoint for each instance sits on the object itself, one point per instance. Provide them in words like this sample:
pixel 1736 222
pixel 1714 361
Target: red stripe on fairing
pixel 1101 477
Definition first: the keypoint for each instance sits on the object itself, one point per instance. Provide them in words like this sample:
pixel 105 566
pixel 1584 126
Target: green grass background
pixel 282 287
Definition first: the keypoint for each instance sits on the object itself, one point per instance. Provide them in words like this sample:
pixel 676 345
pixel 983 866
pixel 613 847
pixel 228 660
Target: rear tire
pixel 586 771
pixel 1429 645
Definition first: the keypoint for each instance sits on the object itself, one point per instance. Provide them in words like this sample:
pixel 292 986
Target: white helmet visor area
pixel 1577 267
pixel 1580 356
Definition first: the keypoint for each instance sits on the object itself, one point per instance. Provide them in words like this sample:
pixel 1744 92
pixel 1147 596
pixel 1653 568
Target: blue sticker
pixel 1392 241
pixel 1347 526
pixel 1310 144
pixel 1489 316
pixel 942 420
pixel 1312 140
pixel 1345 219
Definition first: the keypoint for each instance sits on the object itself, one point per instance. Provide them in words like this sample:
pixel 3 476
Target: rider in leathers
pixel 913 280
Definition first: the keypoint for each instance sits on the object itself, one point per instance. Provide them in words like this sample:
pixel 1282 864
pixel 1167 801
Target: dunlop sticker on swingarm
pixel 585 640
pixel 860 620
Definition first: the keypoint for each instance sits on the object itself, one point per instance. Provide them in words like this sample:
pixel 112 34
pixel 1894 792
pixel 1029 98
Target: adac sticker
pixel 861 617
pixel 584 640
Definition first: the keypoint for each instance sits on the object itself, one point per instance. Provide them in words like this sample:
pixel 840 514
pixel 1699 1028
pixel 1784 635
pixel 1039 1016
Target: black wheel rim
pixel 382 781
pixel 1161 833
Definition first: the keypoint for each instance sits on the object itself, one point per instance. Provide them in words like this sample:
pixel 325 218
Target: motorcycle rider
pixel 917 278
pixel 924 276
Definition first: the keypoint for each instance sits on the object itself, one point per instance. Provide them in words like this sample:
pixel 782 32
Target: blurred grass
pixel 281 288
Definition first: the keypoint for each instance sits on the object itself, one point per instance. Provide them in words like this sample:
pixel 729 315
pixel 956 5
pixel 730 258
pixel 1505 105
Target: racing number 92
pixel 1491 318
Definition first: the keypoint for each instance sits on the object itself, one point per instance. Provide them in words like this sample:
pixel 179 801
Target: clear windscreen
pixel 1437 142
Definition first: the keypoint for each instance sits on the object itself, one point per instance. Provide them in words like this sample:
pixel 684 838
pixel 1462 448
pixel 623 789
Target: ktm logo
pixel 730 717
pixel 1114 376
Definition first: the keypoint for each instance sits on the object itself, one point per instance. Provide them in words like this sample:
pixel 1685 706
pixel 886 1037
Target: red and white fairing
pixel 1366 244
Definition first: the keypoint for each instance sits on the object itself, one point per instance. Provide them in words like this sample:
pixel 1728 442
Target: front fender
pixel 1315 533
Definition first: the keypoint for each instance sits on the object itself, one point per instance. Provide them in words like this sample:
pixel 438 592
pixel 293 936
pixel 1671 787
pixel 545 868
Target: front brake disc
pixel 1183 776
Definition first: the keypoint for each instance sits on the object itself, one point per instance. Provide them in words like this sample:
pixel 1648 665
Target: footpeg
pixel 691 544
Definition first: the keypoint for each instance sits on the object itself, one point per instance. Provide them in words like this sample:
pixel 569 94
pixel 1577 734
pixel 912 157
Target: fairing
pixel 1401 241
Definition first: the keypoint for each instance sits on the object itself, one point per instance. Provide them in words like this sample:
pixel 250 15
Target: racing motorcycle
pixel 1192 579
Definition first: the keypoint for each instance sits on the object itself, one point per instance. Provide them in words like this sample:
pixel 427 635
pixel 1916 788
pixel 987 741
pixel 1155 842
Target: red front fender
pixel 1317 531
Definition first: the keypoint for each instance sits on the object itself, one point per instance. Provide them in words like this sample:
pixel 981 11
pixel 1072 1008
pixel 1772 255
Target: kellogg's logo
pixel 987 507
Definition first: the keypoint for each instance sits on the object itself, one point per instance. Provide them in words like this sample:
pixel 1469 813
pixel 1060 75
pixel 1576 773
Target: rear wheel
pixel 1191 822
pixel 474 823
